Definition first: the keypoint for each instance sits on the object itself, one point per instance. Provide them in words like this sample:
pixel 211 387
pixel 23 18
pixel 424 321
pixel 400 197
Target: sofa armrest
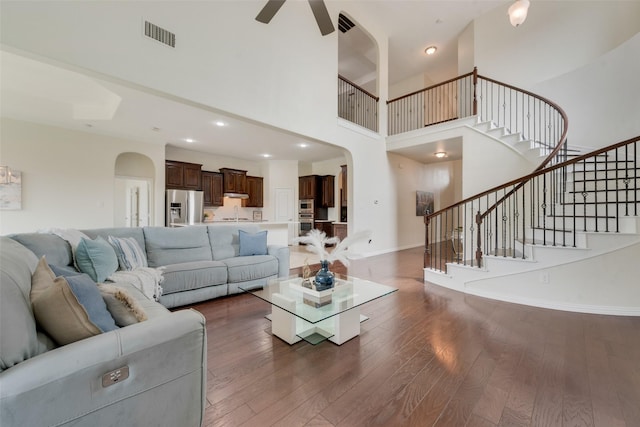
pixel 282 254
pixel 166 384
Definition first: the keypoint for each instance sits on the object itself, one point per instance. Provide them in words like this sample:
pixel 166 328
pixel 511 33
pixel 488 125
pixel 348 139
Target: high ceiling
pixel 49 94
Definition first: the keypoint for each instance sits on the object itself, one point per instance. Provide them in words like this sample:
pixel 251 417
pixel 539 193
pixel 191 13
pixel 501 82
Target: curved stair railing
pixel 536 120
pixel 593 192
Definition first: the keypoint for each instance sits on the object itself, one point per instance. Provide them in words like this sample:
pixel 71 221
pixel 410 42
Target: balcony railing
pixel 450 100
pixel 357 105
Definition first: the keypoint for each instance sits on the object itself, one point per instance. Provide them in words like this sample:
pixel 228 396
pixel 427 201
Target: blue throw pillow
pixel 96 258
pixel 253 243
pixel 64 271
pixel 89 296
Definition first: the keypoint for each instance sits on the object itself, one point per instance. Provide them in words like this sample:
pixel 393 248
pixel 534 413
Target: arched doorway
pixel 133 190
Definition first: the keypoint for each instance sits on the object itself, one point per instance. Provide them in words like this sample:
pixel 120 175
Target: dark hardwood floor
pixel 427 356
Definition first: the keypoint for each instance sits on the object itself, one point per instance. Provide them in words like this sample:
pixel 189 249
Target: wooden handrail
pixel 359 88
pixel 562 138
pixel 430 87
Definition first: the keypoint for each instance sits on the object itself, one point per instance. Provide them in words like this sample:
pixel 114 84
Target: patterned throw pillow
pixel 130 254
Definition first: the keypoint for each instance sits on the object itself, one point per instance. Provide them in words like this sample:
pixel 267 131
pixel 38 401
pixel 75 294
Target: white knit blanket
pixel 146 279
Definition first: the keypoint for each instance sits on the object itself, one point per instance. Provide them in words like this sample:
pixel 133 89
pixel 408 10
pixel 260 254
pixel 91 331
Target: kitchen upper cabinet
pixel 234 180
pixel 307 187
pixel 320 188
pixel 183 176
pixel 255 189
pixel 327 196
pixel 344 180
pixel 212 188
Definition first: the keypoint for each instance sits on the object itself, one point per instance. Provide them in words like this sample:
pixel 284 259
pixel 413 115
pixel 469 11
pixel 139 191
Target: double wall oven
pixel 305 216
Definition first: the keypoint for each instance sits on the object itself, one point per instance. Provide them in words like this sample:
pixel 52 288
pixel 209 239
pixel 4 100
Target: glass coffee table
pixel 299 313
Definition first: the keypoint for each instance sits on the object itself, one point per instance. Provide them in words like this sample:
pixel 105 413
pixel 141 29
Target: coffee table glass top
pixel 290 295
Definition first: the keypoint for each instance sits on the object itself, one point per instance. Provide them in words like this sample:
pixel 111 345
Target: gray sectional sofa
pixel 43 384
pixel 164 356
pixel 200 262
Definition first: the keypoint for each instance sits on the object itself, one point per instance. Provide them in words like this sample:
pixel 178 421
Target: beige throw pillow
pixel 58 312
pixel 122 306
pixel 41 279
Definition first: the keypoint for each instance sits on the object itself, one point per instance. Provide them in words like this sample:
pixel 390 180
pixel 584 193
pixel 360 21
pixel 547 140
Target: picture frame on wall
pixel 424 203
pixel 10 189
pixel 257 215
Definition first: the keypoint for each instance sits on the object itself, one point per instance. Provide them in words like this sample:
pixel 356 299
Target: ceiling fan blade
pixel 269 10
pixel 322 16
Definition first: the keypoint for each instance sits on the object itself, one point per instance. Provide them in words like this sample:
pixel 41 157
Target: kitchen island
pixel 277 231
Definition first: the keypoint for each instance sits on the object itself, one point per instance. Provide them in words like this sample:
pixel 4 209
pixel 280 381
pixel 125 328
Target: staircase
pixel 566 237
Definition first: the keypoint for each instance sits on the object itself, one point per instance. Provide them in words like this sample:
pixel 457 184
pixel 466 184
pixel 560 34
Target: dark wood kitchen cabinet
pixel 344 182
pixel 327 195
pixel 340 231
pixel 326 226
pixel 255 190
pixel 182 175
pixel 212 188
pixel 320 188
pixel 234 181
pixel 307 187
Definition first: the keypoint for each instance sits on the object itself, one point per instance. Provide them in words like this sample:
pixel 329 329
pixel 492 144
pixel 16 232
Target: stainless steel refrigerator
pixel 184 207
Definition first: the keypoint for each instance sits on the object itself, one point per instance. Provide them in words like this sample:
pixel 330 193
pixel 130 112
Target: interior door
pixel 131 202
pixel 285 210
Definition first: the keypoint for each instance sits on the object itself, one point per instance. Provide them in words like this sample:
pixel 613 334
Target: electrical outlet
pixel 544 277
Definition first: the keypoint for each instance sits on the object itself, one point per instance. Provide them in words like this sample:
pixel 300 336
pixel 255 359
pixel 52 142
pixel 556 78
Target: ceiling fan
pixel 317 6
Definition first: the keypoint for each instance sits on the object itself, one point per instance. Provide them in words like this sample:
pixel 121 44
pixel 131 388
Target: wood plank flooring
pixel 428 356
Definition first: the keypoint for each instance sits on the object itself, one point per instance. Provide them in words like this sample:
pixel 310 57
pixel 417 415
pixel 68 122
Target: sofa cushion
pixel 56 249
pixel 188 276
pixel 97 258
pixel 245 268
pixel 130 254
pixel 225 239
pixel 167 246
pixel 71 309
pixel 18 336
pixel 252 243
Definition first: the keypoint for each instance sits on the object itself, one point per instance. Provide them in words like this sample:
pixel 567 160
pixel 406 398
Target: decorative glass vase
pixel 324 278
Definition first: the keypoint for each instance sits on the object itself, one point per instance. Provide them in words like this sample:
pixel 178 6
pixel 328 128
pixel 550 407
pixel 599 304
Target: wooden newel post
pixel 479 241
pixel 475 83
pixel 427 252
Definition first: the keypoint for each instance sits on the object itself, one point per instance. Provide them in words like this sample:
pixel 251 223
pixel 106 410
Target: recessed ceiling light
pixel 155 129
pixel 430 50
pixel 303 145
pixel 220 123
pixel 89 125
pixel 440 154
pixel 189 140
pixel 266 155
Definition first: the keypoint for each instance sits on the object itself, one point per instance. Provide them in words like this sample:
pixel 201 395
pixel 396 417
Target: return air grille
pixel 344 23
pixel 159 34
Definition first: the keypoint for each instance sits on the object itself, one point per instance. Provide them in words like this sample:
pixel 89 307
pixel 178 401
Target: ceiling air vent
pixel 344 23
pixel 159 34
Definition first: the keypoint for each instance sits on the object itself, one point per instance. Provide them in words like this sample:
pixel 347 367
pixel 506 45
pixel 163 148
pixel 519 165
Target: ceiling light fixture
pixel 220 123
pixel 266 156
pixel 189 140
pixel 430 50
pixel 518 12
pixel 303 145
pixel 440 154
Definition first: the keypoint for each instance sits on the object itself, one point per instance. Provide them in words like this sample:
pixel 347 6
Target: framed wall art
pixel 10 189
pixel 424 203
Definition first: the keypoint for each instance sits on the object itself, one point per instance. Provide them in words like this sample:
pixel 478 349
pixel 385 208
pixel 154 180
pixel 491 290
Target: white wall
pixel 68 176
pixel 601 99
pixel 557 37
